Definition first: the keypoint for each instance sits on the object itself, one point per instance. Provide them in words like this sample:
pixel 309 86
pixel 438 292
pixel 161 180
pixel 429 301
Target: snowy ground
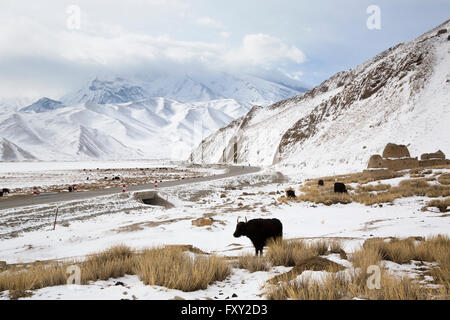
pixel 21 177
pixel 90 226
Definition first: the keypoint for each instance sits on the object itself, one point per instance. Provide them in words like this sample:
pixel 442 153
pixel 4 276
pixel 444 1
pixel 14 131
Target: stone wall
pixel 378 174
pixel 377 162
pixel 434 162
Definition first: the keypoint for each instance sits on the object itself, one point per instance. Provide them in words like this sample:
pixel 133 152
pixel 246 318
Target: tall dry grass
pixel 341 285
pixel 444 179
pixel 253 263
pixel 352 283
pixel 440 204
pixel 433 249
pixel 170 267
pixel 294 252
pixel 173 269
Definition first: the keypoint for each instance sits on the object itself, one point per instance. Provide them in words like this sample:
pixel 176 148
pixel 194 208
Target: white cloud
pixel 29 48
pixel 225 34
pixel 209 22
pixel 265 50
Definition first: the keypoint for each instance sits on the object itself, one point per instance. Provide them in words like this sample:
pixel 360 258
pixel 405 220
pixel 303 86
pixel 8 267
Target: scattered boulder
pixel 442 31
pixel 200 222
pixel 320 182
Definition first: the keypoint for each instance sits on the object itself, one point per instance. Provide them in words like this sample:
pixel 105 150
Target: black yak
pixel 339 187
pixel 259 231
pixel 6 190
pixel 290 193
pixel 320 183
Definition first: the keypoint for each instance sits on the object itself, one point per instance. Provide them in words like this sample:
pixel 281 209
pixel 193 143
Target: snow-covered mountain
pixel 43 105
pixel 149 128
pixel 402 95
pixel 245 89
pixel 133 118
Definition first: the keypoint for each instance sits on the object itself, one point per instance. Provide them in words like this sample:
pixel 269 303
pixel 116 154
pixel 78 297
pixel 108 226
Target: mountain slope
pixel 11 152
pixel 402 95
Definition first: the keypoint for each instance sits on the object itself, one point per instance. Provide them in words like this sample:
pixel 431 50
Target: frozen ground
pixel 21 177
pixel 90 226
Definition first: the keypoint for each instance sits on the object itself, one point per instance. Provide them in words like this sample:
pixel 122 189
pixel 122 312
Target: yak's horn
pixel 245 219
pixel 237 221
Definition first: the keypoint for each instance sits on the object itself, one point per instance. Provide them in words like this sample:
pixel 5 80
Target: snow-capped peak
pixel 43 105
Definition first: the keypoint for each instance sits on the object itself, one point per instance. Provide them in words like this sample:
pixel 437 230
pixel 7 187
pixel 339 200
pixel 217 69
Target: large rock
pixel 200 222
pixel 396 151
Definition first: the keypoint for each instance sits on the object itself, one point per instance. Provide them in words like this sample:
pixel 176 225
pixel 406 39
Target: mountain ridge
pixel 312 130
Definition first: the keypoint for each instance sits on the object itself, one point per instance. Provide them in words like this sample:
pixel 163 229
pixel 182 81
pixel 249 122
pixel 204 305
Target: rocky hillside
pixel 401 95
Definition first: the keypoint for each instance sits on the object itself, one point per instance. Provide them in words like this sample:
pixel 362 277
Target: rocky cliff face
pixel 401 95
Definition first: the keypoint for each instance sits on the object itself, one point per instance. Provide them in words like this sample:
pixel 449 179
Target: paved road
pixel 68 196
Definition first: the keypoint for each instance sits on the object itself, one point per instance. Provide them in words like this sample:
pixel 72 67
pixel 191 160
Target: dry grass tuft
pixel 253 263
pixel 314 264
pixel 433 249
pixel 444 179
pixel 372 188
pixel 352 283
pixel 173 269
pixel 337 286
pixel 294 252
pixel 112 263
pixel 440 204
pixel 170 267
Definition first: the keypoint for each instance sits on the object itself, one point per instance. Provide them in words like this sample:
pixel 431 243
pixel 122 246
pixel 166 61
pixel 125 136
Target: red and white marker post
pixel 156 184
pixel 35 191
pixel 75 187
pixel 124 189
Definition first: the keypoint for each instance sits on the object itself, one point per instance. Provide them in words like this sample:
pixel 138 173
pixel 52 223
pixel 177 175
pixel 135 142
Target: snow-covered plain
pixel 94 225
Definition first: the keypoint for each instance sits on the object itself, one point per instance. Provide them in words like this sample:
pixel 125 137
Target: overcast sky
pixel 44 53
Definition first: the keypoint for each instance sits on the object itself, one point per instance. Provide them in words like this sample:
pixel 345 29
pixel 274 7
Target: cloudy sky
pixel 50 47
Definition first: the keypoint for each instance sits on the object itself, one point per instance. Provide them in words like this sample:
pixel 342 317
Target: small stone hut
pixel 396 151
